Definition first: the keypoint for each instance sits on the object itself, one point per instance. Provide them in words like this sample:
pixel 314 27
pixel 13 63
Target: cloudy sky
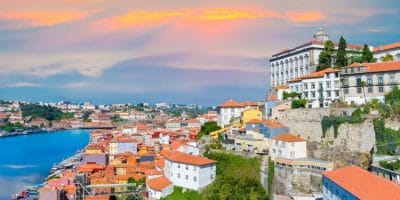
pixel 176 51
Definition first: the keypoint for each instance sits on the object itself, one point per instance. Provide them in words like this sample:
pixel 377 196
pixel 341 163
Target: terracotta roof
pixel 90 167
pixel 176 144
pixel 179 157
pixel 249 103
pixel 268 123
pixel 287 137
pixel 387 47
pixel 320 73
pixel 231 103
pixel 363 184
pixel 102 197
pixel 158 183
pixel 272 98
pixel 378 67
pixel 281 87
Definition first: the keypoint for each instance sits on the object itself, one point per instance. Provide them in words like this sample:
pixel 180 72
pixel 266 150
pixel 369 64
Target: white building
pixel 159 187
pixel 301 60
pixel 231 110
pixel 381 51
pixel 173 124
pixel 379 78
pixel 288 146
pixel 189 171
pixel 319 88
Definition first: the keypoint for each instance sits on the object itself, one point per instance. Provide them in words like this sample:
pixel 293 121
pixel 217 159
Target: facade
pixel 353 183
pixel 122 145
pixel 159 187
pixel 288 146
pixel 378 79
pixel 319 88
pixel 189 171
pixel 250 114
pixel 301 60
pixel 269 128
pixel 381 51
pixel 232 110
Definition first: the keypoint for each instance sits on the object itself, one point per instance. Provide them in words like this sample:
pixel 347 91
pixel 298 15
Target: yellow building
pixel 252 141
pixel 250 114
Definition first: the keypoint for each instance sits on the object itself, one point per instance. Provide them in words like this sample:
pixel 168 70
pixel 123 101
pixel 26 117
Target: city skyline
pixel 176 52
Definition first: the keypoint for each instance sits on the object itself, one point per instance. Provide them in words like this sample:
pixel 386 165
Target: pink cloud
pixel 47 18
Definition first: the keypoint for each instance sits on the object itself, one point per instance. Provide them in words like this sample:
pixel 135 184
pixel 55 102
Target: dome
pixel 320 35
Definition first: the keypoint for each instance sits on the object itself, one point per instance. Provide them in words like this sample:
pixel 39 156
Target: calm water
pixel 26 160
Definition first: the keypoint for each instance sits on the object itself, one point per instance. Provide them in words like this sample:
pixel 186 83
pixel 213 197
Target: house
pixel 288 146
pixel 269 128
pixel 250 114
pixel 319 88
pixel 392 49
pixel 232 110
pixel 159 187
pixel 189 171
pixel 302 60
pixel 122 144
pixel 362 82
pixel 251 141
pixel 355 183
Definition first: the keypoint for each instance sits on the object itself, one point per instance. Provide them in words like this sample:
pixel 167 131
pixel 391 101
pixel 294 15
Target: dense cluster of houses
pixel 161 157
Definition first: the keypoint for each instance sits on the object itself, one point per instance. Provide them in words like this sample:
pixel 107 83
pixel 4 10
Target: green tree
pixel 366 55
pixel 207 128
pixel 388 57
pixel 326 56
pixel 341 55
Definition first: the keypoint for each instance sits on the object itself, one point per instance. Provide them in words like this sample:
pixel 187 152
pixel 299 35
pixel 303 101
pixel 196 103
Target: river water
pixel 26 160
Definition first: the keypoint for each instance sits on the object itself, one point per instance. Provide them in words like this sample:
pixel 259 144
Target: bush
pixel 387 140
pixel 391 165
pixel 299 103
pixel 287 95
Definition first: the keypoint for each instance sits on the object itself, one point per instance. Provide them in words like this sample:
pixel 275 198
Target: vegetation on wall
pixel 287 95
pixel 299 103
pixel 387 140
pixel 271 174
pixel 237 178
pixel 335 121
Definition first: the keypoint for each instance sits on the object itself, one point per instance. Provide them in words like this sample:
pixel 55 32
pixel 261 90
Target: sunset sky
pixel 176 51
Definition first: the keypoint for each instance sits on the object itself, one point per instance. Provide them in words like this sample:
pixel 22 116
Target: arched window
pixel 306 60
pixel 301 61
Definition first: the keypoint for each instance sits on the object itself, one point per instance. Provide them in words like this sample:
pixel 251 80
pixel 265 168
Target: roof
pixel 231 103
pixel 319 74
pixel 363 184
pixel 387 47
pixel 179 157
pixel 281 87
pixel 287 137
pixel 159 183
pixel 272 98
pixel 316 42
pixel 378 67
pixel 268 123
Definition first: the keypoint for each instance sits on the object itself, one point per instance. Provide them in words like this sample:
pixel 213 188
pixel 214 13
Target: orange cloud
pixel 44 18
pixel 230 14
pixel 305 16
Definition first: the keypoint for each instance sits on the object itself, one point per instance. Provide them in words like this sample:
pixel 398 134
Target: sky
pixel 175 51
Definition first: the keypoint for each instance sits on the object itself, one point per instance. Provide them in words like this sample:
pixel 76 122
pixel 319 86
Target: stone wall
pixel 288 180
pixel 306 123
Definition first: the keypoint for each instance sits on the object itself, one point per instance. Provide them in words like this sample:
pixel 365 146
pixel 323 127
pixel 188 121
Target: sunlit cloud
pixel 217 14
pixel 37 18
pixel 21 84
pixel 301 17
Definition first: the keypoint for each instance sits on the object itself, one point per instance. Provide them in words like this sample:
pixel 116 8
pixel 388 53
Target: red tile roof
pixel 179 157
pixel 272 98
pixel 158 183
pixel 268 123
pixel 378 67
pixel 287 137
pixel 387 47
pixel 231 103
pixel 281 87
pixel 363 184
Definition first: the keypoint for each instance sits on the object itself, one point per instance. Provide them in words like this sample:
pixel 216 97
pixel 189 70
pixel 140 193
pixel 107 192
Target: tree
pixel 366 55
pixel 341 55
pixel 325 57
pixel 387 57
pixel 363 84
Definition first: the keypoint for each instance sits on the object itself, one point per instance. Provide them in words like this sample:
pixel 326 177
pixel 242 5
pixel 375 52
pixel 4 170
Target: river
pixel 26 160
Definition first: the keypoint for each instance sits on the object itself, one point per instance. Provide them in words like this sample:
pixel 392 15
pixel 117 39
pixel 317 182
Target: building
pixel 232 110
pixel 269 128
pixel 319 88
pixel 288 146
pixel 159 187
pixel 189 171
pixel 381 51
pixel 377 79
pixel 122 144
pixel 251 142
pixel 301 60
pixel 355 183
pixel 250 114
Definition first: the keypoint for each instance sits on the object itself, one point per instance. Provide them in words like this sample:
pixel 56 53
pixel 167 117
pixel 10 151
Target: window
pixel 346 70
pixel 194 179
pixel 212 177
pixel 358 81
pixel 194 168
pixel 380 89
pixel 328 93
pixel 345 82
pixel 187 167
pixel 305 86
pixel 380 80
pixel 312 94
pixel 358 90
pixel 292 154
pixel 337 93
pixel 336 84
pixel 312 85
pixel 179 175
pixel 352 70
pixel 179 165
pixel 392 79
pixel 346 90
pixel 328 85
pixel 369 80
pixel 186 177
pixel 370 90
